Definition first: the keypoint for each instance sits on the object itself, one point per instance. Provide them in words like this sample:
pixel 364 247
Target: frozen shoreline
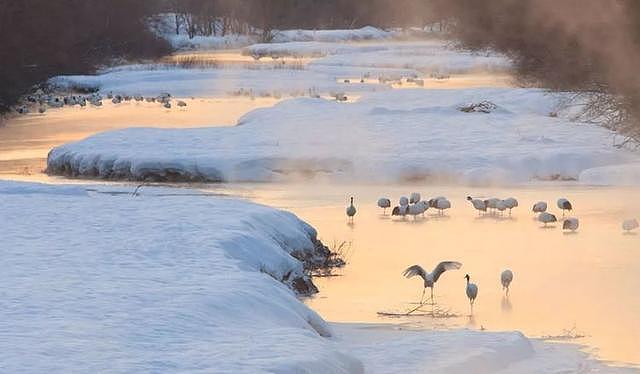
pixel 398 135
pixel 96 281
pixel 169 281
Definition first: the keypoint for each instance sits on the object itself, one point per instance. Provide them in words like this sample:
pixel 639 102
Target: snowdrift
pixel 619 175
pixel 181 41
pixel 333 36
pixel 400 135
pixel 426 56
pixel 113 283
pixel 379 62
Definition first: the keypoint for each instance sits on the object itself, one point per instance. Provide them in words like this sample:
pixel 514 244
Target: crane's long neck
pixel 352 201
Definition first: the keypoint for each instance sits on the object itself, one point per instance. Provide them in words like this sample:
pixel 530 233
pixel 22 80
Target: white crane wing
pixel 414 270
pixel 444 266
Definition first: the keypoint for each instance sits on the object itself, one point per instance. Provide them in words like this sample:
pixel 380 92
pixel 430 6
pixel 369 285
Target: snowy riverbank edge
pixel 100 280
pixel 393 136
pixel 168 281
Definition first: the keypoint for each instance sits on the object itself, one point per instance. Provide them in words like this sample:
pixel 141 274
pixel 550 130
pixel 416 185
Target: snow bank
pixel 163 25
pixel 333 36
pixel 19 188
pixel 427 56
pixel 388 136
pixel 308 49
pixel 460 351
pixel 115 283
pixel 232 41
pixel 620 175
pixel 322 76
pixel 206 83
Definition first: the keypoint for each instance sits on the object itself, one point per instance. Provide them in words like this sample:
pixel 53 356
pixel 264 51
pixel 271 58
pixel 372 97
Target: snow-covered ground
pixel 164 26
pixel 169 281
pixel 181 82
pixel 426 56
pixel 395 135
pixel 622 175
pixel 324 75
pixel 333 36
pixel 115 283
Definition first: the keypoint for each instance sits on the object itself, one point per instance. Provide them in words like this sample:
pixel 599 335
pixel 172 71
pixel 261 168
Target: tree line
pixel 219 17
pixel 588 47
pixel 43 38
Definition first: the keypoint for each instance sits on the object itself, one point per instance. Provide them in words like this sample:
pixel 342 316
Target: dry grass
pixel 567 334
pixel 339 252
pixel 435 312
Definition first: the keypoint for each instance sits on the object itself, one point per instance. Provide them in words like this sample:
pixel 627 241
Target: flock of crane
pixel 415 206
pixel 43 101
pixel 430 279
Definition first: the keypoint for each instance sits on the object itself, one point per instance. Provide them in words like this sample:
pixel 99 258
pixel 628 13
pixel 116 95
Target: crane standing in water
pixel 351 210
pixel 430 279
pixel 472 291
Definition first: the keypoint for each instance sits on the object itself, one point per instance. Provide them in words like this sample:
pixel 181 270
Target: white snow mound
pixel 114 283
pixel 620 175
pixel 395 135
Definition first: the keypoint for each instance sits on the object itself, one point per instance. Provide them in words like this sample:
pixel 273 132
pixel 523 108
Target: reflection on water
pixel 585 282
pixel 26 140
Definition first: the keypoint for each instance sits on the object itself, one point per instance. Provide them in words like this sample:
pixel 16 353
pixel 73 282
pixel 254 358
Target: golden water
pixel 565 285
pixel 26 140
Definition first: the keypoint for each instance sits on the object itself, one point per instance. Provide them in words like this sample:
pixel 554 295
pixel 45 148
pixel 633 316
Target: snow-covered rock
pixel 388 136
